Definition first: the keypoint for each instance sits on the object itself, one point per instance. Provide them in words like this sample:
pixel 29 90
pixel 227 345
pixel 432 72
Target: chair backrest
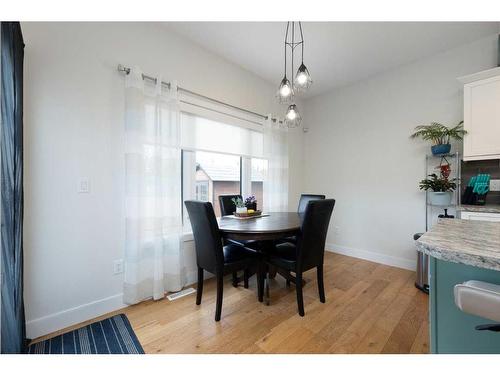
pixel 305 198
pixel 207 239
pixel 312 238
pixel 227 206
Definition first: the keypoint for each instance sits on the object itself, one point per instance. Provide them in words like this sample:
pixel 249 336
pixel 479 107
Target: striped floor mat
pixel 109 336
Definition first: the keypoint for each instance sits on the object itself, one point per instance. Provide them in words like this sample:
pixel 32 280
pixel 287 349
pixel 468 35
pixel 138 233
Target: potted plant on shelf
pixel 251 203
pixel 441 189
pixel 440 136
pixel 240 205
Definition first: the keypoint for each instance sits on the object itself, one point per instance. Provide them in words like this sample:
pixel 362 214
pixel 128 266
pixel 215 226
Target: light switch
pixel 83 185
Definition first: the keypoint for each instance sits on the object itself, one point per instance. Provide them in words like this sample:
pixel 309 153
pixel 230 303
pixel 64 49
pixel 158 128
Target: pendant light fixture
pixel 292 117
pixel 285 92
pixel 302 80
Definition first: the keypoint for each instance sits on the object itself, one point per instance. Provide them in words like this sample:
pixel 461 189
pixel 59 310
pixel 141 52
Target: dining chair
pixel 227 207
pixel 211 255
pixel 308 252
pixel 304 199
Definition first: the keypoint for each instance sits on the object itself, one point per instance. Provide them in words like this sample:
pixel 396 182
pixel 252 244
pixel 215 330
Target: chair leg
pixel 235 279
pixel 300 298
pixel 321 285
pixel 260 283
pixel 268 284
pixel 218 305
pixel 246 276
pixel 199 288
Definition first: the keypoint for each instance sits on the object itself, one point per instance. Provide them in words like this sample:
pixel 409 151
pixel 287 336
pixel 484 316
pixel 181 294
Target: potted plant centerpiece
pixel 251 203
pixel 240 205
pixel 440 136
pixel 441 189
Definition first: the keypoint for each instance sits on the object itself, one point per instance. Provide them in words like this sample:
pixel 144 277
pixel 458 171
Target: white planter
pixel 241 210
pixel 440 198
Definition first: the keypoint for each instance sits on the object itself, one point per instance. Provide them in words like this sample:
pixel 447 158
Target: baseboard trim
pixel 63 319
pixel 372 256
pixel 55 322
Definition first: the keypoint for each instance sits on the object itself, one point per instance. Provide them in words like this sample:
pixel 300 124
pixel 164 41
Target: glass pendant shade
pixel 302 79
pixel 292 117
pixel 285 92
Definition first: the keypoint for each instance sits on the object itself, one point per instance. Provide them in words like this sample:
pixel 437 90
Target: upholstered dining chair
pixel 304 199
pixel 227 207
pixel 309 250
pixel 211 255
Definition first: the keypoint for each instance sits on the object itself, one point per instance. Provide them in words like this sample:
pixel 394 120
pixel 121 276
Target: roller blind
pixel 200 133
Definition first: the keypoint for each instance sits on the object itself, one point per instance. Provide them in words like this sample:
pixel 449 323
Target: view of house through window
pixel 216 174
pixel 206 175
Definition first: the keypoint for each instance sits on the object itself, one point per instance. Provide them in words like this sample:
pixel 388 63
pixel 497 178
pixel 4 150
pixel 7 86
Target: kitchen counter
pixel 460 250
pixel 487 208
pixel 469 242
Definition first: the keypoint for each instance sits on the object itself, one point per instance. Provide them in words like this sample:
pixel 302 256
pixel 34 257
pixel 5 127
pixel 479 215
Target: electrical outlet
pixel 83 185
pixel 118 266
pixel 494 185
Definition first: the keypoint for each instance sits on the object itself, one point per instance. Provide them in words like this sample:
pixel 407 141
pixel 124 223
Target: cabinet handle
pixel 488 327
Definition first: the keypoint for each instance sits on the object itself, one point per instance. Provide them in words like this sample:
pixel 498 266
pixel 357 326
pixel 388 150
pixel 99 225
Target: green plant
pixel 439 134
pixel 437 184
pixel 238 202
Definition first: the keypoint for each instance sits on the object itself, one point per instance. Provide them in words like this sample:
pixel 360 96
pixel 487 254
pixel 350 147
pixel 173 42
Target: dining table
pixel 267 229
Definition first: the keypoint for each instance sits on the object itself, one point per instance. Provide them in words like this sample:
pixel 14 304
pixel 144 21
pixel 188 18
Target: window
pixel 220 159
pixel 216 174
pixel 202 191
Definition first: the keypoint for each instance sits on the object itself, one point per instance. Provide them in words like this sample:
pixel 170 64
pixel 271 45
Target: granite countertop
pixel 488 208
pixel 472 242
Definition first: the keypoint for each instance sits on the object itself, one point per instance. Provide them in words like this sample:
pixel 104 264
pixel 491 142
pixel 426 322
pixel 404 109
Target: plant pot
pixel 440 198
pixel 252 206
pixel 441 149
pixel 241 210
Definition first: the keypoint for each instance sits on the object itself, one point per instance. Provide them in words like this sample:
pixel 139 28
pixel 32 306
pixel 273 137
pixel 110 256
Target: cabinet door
pixel 482 119
pixel 452 330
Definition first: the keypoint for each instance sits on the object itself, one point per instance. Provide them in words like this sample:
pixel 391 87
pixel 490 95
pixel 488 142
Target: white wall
pixel 357 150
pixel 74 110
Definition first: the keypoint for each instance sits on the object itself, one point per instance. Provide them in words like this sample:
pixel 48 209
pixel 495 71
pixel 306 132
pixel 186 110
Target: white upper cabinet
pixel 482 115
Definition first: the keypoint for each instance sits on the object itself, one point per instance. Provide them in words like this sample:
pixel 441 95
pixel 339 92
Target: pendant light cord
pixel 293 47
pixel 302 39
pixel 286 39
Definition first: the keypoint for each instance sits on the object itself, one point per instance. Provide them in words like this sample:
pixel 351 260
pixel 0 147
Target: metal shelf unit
pixel 432 162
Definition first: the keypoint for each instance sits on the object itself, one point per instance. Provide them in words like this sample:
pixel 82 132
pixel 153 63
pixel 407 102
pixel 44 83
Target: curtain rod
pixel 125 70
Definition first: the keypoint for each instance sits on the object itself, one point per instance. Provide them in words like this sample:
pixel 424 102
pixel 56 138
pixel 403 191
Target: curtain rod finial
pixel 122 69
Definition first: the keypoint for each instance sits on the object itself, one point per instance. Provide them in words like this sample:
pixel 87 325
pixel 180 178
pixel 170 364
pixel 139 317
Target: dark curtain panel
pixel 12 55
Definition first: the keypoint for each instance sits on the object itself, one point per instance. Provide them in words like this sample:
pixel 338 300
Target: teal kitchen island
pixel 460 250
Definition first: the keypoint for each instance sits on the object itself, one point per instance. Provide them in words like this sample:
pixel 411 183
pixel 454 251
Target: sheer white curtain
pixel 153 256
pixel 276 179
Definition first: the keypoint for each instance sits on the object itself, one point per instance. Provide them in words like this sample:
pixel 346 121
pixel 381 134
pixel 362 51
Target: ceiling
pixel 336 53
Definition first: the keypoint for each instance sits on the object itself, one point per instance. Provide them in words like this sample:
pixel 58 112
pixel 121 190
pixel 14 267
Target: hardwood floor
pixel 370 308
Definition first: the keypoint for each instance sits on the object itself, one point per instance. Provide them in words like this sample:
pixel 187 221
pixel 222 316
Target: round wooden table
pixel 274 226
